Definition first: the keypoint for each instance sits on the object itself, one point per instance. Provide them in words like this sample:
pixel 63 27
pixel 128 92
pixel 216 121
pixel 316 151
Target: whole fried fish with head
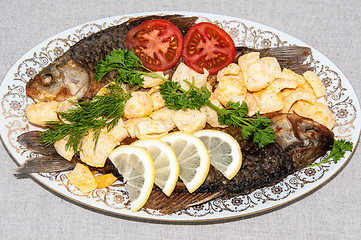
pixel 72 74
pixel 299 141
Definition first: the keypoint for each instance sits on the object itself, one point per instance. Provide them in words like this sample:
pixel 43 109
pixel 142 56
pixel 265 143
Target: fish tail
pixel 44 164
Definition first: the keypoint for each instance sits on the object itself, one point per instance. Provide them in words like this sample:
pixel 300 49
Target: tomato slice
pixel 157 43
pixel 208 46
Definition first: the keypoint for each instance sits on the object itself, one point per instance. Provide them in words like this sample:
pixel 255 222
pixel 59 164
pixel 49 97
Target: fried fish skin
pixel 72 74
pixel 299 142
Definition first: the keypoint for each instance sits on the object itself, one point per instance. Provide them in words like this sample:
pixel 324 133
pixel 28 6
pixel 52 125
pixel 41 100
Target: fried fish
pixel 299 141
pixel 72 74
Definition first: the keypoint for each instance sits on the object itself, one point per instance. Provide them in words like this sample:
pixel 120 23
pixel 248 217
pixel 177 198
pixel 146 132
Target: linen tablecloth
pixel 29 211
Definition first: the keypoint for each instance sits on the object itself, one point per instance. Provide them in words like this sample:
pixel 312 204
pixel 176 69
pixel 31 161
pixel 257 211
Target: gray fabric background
pixel 28 211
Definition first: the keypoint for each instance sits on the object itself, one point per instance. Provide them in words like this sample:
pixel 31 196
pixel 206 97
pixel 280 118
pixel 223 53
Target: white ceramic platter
pixel 341 99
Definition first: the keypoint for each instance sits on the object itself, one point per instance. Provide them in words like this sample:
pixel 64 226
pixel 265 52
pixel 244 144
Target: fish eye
pixel 47 79
pixel 311 133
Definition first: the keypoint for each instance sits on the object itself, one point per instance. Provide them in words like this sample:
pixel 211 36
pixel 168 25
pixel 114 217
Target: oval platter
pixel 114 200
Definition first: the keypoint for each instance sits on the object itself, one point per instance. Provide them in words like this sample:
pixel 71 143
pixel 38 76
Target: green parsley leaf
pixel 125 62
pixel 339 148
pixel 234 114
pixel 177 98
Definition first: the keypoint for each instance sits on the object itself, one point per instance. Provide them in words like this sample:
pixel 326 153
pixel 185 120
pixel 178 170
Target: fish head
pixel 302 138
pixel 59 81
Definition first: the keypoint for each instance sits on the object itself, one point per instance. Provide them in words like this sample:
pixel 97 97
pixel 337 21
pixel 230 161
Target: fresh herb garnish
pixel 177 98
pixel 339 148
pixel 234 114
pixel 102 111
pixel 130 70
pixel 126 63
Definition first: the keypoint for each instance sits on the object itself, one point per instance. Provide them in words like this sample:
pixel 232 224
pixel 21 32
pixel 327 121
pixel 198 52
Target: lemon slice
pixel 137 168
pixel 165 163
pixel 224 151
pixel 193 158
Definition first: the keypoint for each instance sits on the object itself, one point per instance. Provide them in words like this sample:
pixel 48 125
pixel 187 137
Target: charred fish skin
pixel 72 74
pixel 298 142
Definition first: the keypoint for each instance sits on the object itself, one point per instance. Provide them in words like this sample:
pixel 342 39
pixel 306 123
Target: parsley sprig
pixel 177 98
pixel 102 111
pixel 339 148
pixel 127 65
pixel 259 127
pixel 234 114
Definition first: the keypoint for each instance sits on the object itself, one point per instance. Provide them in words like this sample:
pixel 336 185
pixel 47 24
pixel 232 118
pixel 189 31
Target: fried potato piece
pixel 279 84
pixel 39 113
pixel 130 125
pixel 306 87
pixel 232 69
pixel 139 105
pixel 118 132
pixel 319 112
pixel 268 101
pixel 65 106
pixel 96 156
pixel 157 99
pixel 105 180
pixel 290 75
pixel 316 83
pixel 153 81
pixel 229 89
pixel 252 104
pixel 151 128
pixel 62 150
pixel 212 116
pixel 271 67
pixel 82 178
pixel 165 115
pixel 295 96
pixel 258 74
pixel 183 72
pixel 285 92
pixel 189 120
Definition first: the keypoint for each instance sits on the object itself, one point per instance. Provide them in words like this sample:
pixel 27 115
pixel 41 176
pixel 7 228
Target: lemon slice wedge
pixel 224 151
pixel 193 158
pixel 136 166
pixel 165 163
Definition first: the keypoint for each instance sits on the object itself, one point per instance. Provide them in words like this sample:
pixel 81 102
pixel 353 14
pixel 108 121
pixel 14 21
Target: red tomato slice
pixel 208 46
pixel 157 43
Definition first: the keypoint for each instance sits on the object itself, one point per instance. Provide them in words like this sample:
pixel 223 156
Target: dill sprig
pixel 101 111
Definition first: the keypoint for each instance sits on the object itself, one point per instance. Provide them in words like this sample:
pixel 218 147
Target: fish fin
pixel 290 57
pixel 182 22
pixel 31 140
pixel 44 164
pixel 178 200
